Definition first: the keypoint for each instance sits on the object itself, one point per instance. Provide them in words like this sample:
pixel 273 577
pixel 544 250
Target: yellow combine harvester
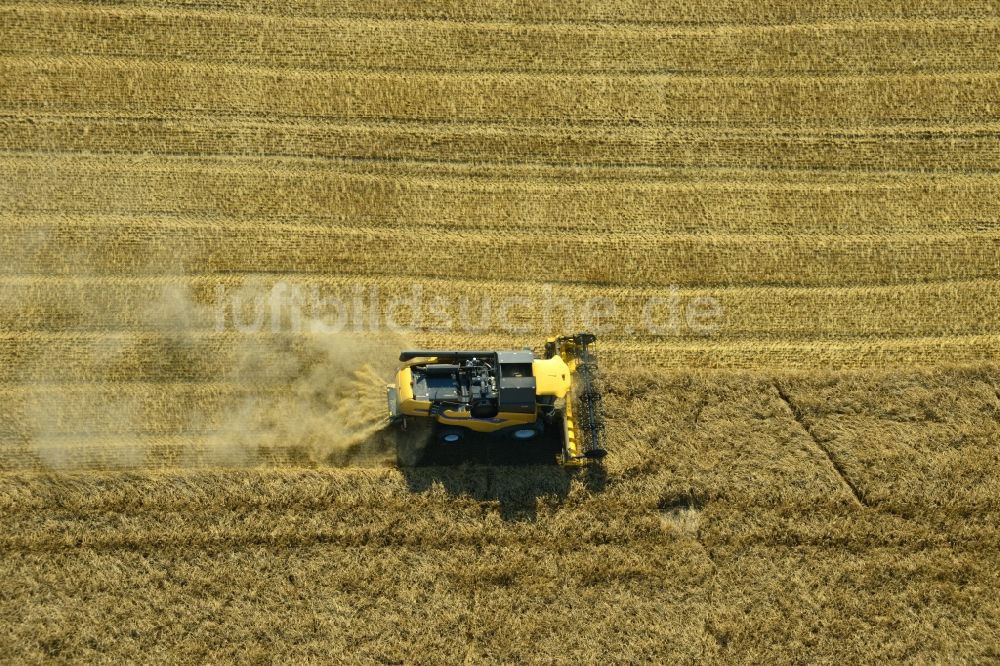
pixel 509 394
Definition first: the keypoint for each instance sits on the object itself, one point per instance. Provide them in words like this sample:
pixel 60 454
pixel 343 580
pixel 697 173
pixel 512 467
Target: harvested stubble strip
pixel 345 43
pixel 101 85
pixel 120 303
pixel 75 357
pixel 610 259
pixel 733 13
pixel 412 198
pixel 965 148
pixel 130 450
pixel 144 409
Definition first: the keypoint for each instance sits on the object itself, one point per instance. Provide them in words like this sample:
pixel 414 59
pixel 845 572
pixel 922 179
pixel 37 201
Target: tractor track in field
pixel 835 464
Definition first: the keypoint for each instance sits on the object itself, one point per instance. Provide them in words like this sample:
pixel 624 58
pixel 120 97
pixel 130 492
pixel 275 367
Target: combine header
pixel 508 394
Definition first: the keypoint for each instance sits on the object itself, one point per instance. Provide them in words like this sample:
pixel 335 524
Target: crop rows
pixel 255 40
pixel 199 304
pixel 611 259
pixel 729 13
pixel 694 540
pixel 124 357
pixel 103 85
pixel 181 178
pixel 514 201
pixel 140 409
pixel 967 148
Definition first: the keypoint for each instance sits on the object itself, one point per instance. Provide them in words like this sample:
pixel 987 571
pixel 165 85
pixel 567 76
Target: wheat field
pixel 781 218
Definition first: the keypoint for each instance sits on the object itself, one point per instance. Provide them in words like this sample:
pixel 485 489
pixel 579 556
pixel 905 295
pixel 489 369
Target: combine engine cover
pixel 482 383
pixel 465 384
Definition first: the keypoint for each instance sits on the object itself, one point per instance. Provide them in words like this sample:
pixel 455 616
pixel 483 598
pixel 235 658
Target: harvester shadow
pixel 517 477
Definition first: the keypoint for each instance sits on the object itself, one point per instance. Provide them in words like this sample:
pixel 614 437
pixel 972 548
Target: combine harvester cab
pixel 510 394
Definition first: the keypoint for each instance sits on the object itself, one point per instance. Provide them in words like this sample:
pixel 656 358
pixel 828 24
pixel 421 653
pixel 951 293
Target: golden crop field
pixel 220 221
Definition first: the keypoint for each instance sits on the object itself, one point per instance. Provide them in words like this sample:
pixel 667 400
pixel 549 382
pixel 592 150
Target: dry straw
pixel 826 171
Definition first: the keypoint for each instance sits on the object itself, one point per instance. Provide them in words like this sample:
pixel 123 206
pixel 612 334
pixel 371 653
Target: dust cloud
pixel 170 391
pixel 330 407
